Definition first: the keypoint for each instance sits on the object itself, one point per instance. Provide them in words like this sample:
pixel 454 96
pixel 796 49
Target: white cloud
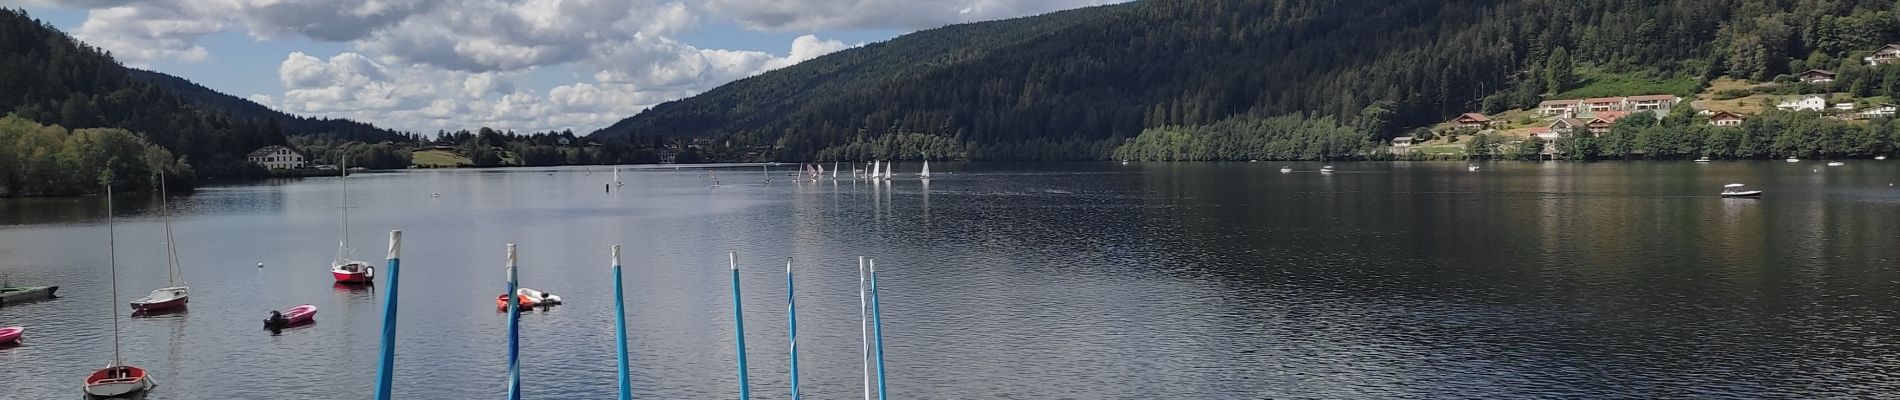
pixel 424 65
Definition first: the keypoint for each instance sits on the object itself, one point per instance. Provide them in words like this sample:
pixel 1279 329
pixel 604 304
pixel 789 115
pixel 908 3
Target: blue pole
pixel 738 323
pixel 877 329
pixel 386 368
pixel 514 329
pixel 620 330
pixel 791 311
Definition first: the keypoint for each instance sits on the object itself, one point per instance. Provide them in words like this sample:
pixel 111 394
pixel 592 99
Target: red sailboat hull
pixel 350 277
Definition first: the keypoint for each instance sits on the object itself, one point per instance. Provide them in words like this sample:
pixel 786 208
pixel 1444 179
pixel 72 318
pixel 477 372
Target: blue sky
pixel 525 65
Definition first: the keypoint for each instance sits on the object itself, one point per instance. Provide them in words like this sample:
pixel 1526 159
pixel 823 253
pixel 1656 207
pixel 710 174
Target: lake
pixel 1007 281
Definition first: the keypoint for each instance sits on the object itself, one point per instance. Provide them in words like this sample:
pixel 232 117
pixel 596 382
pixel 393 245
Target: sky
pixel 522 65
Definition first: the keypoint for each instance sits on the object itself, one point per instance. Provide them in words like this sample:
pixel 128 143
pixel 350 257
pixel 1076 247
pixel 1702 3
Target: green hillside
pixel 1077 84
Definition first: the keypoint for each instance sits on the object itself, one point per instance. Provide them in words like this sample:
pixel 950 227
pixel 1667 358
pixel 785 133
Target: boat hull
pixel 353 272
pixel 167 303
pixel 295 316
pixel 1751 193
pixel 117 381
pixel 11 334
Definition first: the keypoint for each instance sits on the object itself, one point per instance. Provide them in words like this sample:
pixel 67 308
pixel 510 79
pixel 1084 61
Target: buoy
pixel 260 265
pixel 435 195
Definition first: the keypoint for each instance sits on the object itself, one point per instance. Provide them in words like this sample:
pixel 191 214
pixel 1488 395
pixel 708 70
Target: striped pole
pixel 738 323
pixel 620 330
pixel 864 328
pixel 514 329
pixel 877 329
pixel 386 368
pixel 791 312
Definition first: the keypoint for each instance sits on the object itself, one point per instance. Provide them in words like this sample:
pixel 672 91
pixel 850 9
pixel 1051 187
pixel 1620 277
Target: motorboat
pixel 1472 168
pixel 1836 164
pixel 298 315
pixel 164 299
pixel 1326 169
pixel 1285 170
pixel 1702 160
pixel 1792 159
pixel 11 334
pixel 529 298
pixel 1880 157
pixel 1739 190
pixel 117 381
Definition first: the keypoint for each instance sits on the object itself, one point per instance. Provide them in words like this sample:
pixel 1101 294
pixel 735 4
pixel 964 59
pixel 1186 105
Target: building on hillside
pixel 1843 106
pixel 1888 54
pixel 1601 104
pixel 1804 103
pixel 1882 110
pixel 1816 76
pixel 1660 103
pixel 1557 108
pixel 1725 118
pixel 276 157
pixel 1402 144
pixel 666 155
pixel 1601 123
pixel 1472 120
pixel 1566 125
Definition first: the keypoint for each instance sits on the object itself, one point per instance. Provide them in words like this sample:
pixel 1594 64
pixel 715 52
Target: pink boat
pixel 11 334
pixel 298 315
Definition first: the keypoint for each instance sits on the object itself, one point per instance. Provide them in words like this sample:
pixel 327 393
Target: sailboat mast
pixel 112 243
pixel 172 271
pixel 343 226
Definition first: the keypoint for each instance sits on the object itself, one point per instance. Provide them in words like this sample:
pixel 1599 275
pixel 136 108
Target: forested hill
pixel 239 108
pixel 1075 84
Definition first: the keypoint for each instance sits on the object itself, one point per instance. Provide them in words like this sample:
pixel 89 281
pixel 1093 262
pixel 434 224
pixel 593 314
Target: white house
pixel 1725 118
pixel 276 157
pixel 1879 111
pixel 1661 103
pixel 1804 103
pixel 1564 108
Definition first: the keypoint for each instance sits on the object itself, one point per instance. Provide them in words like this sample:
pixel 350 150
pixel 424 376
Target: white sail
pixel 834 170
pixel 887 170
pixel 875 167
pixel 926 173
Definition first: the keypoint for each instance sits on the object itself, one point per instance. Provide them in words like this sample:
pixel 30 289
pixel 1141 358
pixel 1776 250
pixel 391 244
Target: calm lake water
pixel 1011 281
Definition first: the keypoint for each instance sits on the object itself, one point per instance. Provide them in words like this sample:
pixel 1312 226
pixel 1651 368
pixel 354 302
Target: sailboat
pixel 926 173
pixel 617 181
pixel 875 167
pixel 834 170
pixel 767 171
pixel 116 379
pixel 175 294
pixel 342 267
pixel 887 170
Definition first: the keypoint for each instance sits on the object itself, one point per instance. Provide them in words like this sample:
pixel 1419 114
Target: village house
pixel 1601 123
pixel 1661 103
pixel 1804 103
pixel 1725 118
pixel 1844 106
pixel 1473 120
pixel 666 155
pixel 1563 108
pixel 1402 144
pixel 1888 54
pixel 1816 76
pixel 1882 110
pixel 1565 125
pixel 276 157
pixel 1601 104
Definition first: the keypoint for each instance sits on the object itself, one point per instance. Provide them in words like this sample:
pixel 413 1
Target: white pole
pixel 864 325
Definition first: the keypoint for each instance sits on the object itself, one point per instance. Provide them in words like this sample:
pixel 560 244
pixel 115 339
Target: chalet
pixel 1564 108
pixel 1566 125
pixel 1661 103
pixel 1816 76
pixel 1725 118
pixel 1603 120
pixel 276 157
pixel 1402 144
pixel 1805 103
pixel 1882 110
pixel 1472 120
pixel 1888 54
pixel 1602 104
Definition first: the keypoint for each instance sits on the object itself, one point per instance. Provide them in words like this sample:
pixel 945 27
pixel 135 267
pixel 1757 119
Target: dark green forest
pixel 239 108
pixel 1079 84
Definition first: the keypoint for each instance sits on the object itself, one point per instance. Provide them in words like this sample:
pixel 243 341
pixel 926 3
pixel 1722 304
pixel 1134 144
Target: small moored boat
pixel 117 381
pixel 163 299
pixel 1286 169
pixel 1836 164
pixel 1792 159
pixel 1326 169
pixel 1472 168
pixel 1880 157
pixel 529 298
pixel 1739 190
pixel 298 315
pixel 11 334
pixel 1703 159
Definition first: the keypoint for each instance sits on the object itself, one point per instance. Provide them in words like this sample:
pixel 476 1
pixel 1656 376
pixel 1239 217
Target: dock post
pixel 791 313
pixel 877 329
pixel 386 367
pixel 514 329
pixel 620 330
pixel 738 323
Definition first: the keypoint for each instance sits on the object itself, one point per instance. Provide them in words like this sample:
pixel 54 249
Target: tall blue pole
pixel 620 330
pixel 514 329
pixel 738 323
pixel 386 367
pixel 877 329
pixel 791 311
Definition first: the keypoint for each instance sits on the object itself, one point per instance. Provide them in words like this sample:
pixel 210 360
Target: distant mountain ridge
pixel 237 107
